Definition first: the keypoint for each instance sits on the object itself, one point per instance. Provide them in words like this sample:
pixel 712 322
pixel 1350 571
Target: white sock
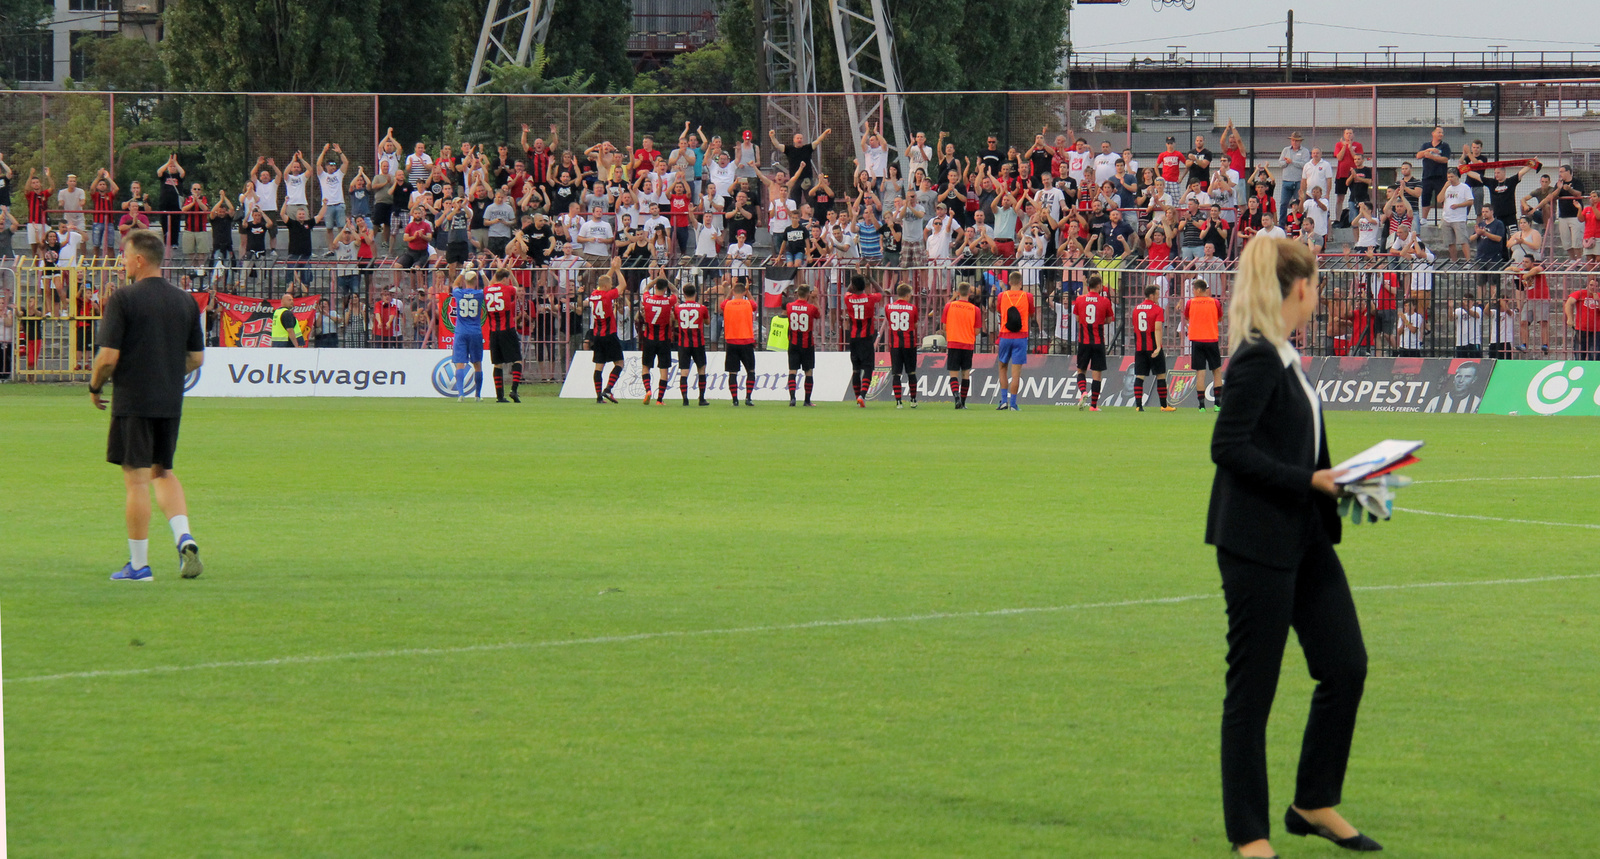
pixel 139 553
pixel 180 527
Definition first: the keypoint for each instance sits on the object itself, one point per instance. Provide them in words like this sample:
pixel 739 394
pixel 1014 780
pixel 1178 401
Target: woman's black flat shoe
pixel 1295 824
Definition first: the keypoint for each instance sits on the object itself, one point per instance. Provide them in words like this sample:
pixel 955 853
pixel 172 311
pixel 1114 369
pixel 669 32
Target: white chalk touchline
pixel 1499 519
pixel 645 636
pixel 1485 479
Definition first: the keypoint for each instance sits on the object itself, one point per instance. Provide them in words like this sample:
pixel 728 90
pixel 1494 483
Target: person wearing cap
pixel 1293 160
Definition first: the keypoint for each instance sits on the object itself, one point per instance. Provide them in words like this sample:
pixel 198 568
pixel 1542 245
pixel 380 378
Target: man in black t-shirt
pixel 1503 193
pixel 149 341
pixel 990 155
pixel 800 152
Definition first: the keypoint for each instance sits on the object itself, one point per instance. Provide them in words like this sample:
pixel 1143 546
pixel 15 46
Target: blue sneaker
pixel 189 564
pixel 129 574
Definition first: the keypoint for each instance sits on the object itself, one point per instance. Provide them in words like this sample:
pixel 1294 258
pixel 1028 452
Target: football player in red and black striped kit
pixel 656 313
pixel 1094 312
pixel 691 319
pixel 1148 359
pixel 901 316
pixel 804 320
pixel 505 345
pixel 861 312
pixel 37 194
pixel 603 332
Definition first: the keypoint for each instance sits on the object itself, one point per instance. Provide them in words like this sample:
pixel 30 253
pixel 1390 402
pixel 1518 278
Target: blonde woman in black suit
pixel 1274 523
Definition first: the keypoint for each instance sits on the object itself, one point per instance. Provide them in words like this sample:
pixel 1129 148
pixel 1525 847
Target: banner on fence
pixel 249 372
pixel 447 323
pixel 247 322
pixel 1543 388
pixel 772 377
pixel 1343 384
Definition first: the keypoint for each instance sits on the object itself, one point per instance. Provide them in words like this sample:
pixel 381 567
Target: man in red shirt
pixel 656 313
pixel 500 323
pixel 539 155
pixel 386 321
pixel 960 321
pixel 37 195
pixel 739 337
pixel 901 316
pixel 1170 164
pixel 691 320
pixel 1533 290
pixel 1583 314
pixel 1345 151
pixel 603 334
pixel 1148 359
pixel 417 234
pixel 644 158
pixel 805 319
pixel 1094 312
pixel 861 312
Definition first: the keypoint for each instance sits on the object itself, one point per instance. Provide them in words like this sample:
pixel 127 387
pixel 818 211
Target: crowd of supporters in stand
pixel 394 233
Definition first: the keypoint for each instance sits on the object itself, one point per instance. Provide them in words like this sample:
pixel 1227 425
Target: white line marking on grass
pixel 1499 519
pixel 1486 479
pixel 646 636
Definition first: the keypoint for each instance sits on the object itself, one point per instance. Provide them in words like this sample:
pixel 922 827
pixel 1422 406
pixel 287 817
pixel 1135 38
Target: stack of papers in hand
pixel 1368 477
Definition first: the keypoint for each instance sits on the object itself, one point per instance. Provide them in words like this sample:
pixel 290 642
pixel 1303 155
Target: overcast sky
pixel 1462 25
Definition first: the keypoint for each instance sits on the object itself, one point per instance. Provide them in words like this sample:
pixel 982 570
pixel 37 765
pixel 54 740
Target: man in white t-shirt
pixel 739 255
pixel 1456 202
pixel 331 182
pixel 294 188
pixel 597 238
pixel 1270 228
pixel 918 154
pixel 70 200
pixel 1078 161
pixel 1105 164
pixel 1317 172
pixel 876 152
pixel 723 173
pixel 1317 213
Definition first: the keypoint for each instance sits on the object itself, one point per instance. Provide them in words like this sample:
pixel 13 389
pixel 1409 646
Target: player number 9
pixel 1088 313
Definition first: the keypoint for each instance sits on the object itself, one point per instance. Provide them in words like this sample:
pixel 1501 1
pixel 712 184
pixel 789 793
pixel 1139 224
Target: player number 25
pixel 494 302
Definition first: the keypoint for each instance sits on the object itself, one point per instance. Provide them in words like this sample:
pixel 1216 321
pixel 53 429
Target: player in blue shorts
pixel 466 301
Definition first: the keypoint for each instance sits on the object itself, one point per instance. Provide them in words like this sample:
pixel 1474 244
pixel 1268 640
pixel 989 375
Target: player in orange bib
pixel 1203 313
pixel 1015 307
pixel 739 334
pixel 960 323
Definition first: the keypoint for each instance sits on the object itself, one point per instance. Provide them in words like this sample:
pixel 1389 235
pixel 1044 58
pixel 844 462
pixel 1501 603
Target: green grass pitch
pixel 492 582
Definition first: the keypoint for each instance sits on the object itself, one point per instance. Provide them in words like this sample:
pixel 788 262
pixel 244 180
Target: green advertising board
pixel 1543 388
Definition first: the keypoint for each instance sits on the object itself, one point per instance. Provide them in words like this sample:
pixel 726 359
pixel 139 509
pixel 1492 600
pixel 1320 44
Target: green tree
pixel 708 69
pixel 488 119
pixel 123 65
pixel 592 36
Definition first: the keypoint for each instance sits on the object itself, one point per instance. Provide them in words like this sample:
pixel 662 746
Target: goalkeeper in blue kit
pixel 466 303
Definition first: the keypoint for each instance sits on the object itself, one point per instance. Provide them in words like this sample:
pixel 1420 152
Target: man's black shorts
pixel 497 245
pixel 456 253
pixel 1091 356
pixel 957 359
pixel 1206 355
pixel 903 360
pixel 142 442
pixel 692 355
pixel 740 354
pixel 607 349
pixel 655 353
pixel 1144 364
pixel 802 358
pixel 411 259
pixel 505 347
pixel 861 356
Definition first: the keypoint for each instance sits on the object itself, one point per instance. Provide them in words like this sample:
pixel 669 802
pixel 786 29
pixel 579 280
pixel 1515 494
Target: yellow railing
pixel 58 317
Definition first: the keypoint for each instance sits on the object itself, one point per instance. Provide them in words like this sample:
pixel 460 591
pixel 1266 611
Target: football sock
pixel 966 388
pixel 749 384
pixel 911 385
pixel 733 386
pixel 1138 392
pixel 855 382
pixel 791 386
pixel 599 375
pixel 516 376
pixel 616 372
pixel 477 381
pixel 1083 385
pixel 702 386
pixel 461 383
pixel 897 389
pixel 808 387
pixel 1216 397
pixel 683 387
pixel 139 553
pixel 499 383
pixel 1200 397
pixel 180 527
pixel 661 388
pixel 1094 394
pixel 1161 391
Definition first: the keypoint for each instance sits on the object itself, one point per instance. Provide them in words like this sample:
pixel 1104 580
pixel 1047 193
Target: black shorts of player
pixel 456 253
pixel 902 360
pixel 1206 355
pixel 740 354
pixel 505 347
pixel 958 360
pixel 695 355
pixel 142 442
pixel 861 356
pixel 607 349
pixel 411 259
pixel 1145 364
pixel 655 353
pixel 802 358
pixel 1091 356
